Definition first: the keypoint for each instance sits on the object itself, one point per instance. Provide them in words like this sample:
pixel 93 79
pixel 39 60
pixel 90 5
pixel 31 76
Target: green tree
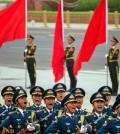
pixel 87 5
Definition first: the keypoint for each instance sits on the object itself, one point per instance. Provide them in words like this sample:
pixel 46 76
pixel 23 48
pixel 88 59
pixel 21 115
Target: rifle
pixel 93 122
pixel 32 124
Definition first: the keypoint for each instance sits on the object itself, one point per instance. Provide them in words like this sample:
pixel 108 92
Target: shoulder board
pixel 72 45
pixel 41 110
pixel 3 107
pixel 110 106
pixel 42 107
pixel 57 102
pixel 34 45
pixel 12 112
pixel 29 110
pixel 89 113
pixel 63 115
pixel 29 106
pixel 114 113
pixel 111 118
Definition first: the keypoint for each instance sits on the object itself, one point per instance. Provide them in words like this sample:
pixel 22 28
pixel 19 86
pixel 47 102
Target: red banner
pixel 58 47
pixel 95 35
pixel 13 22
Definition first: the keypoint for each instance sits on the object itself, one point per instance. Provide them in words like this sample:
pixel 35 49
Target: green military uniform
pixel 113 66
pixel 69 57
pixel 30 60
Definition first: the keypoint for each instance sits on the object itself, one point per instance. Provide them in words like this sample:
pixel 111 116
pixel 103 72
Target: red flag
pixel 58 47
pixel 95 35
pixel 13 22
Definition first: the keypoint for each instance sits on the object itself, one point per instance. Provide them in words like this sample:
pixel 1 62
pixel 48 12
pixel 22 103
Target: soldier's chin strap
pixel 68 110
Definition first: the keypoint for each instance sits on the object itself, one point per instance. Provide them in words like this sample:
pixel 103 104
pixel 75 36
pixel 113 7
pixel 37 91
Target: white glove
pixel 25 50
pixel 30 127
pixel 106 55
pixel 25 64
pixel 83 129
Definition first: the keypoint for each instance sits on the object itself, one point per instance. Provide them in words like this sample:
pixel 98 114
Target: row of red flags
pixel 13 26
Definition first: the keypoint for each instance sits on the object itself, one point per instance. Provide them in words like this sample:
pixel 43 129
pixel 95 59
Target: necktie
pixel 99 115
pixel 38 108
pixel 50 111
pixel 79 112
pixel 72 117
pixel 8 109
pixel 24 114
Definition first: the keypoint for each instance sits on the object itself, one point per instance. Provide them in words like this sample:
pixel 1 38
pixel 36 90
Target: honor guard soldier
pixel 68 123
pixel 20 119
pixel 69 57
pixel 7 94
pixel 47 115
pixel 112 126
pixel 29 60
pixel 107 91
pixel 79 94
pixel 36 94
pixel 112 60
pixel 59 90
pixel 98 102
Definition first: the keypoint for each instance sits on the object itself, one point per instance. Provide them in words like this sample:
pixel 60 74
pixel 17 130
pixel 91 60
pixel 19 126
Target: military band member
pixel 21 119
pixel 69 57
pixel 47 115
pixel 68 123
pixel 29 60
pixel 107 91
pixel 59 90
pixel 79 94
pixel 113 65
pixel 36 95
pixel 98 102
pixel 113 124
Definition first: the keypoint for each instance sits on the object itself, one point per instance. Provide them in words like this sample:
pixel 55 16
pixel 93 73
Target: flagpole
pixel 62 9
pixel 106 41
pixel 25 41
